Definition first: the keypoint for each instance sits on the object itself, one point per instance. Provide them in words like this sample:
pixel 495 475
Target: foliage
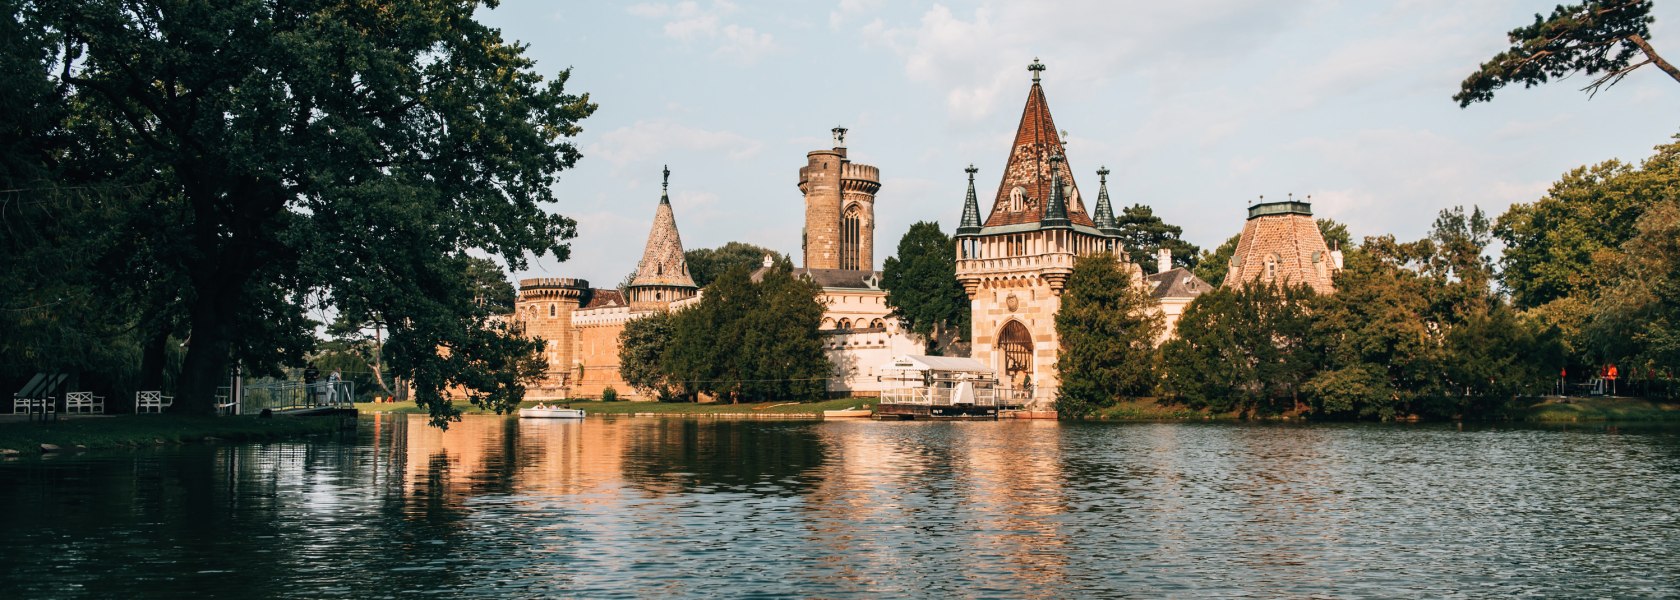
pixel 1242 349
pixel 640 348
pixel 342 153
pixel 1335 234
pixel 922 287
pixel 1107 331
pixel 749 341
pixel 608 394
pixel 1143 234
pixel 1597 37
pixel 1635 321
pixel 705 265
pixel 1212 265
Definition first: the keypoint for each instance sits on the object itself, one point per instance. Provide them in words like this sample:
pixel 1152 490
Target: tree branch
pixel 1645 47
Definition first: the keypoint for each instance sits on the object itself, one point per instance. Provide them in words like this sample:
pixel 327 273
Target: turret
pixel 1056 212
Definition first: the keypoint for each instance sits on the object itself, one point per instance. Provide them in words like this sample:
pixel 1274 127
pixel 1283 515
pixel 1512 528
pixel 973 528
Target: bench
pixel 152 401
pixel 83 402
pixel 21 405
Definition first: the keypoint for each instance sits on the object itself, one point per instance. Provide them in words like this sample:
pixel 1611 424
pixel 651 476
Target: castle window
pixel 851 239
pixel 844 324
pixel 553 311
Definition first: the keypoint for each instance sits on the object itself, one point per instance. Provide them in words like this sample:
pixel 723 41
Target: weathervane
pixel 666 186
pixel 1036 68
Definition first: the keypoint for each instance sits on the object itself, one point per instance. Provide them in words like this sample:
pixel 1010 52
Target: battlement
pixel 552 282
pixel 859 171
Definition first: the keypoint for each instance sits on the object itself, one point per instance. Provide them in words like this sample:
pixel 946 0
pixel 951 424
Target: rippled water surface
pixel 674 507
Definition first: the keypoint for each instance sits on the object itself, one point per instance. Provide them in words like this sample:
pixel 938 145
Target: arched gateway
pixel 1015 345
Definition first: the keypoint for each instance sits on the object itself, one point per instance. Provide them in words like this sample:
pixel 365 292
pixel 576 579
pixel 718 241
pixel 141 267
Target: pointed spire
pixel 1105 209
pixel 1056 212
pixel 971 206
pixel 665 188
pixel 1024 192
pixel 662 260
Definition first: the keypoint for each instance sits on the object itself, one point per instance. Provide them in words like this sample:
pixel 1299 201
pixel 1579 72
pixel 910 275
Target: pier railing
pixel 945 396
pixel 279 394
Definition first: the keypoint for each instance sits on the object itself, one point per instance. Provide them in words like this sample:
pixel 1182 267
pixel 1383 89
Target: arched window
pixel 844 324
pixel 878 324
pixel 553 310
pixel 1017 346
pixel 1271 267
pixel 851 238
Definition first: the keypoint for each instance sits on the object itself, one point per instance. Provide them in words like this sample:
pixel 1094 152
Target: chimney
pixel 1163 260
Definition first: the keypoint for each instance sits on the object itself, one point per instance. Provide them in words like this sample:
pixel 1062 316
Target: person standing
pixel 310 376
pixel 332 386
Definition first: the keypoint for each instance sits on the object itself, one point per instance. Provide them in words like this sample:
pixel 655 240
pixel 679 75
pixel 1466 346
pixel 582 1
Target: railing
pixel 276 394
pixel 944 395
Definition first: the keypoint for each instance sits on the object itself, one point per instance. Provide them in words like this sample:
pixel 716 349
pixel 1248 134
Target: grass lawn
pixel 672 408
pixel 1555 410
pixel 123 431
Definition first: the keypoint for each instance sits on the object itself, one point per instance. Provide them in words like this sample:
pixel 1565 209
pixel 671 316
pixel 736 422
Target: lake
pixel 657 507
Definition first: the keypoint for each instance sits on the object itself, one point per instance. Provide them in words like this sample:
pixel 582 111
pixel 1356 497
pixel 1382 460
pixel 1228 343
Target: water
pixel 672 507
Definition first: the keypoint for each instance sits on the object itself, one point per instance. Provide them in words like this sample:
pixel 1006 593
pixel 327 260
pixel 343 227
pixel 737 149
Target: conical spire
pixel 1056 212
pixel 1105 210
pixel 662 261
pixel 971 207
pixel 1023 195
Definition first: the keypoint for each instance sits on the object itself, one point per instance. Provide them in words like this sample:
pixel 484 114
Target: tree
pixel 1335 234
pixel 1636 319
pixel 1246 349
pixel 343 153
pixel 1598 37
pixel 1212 265
pixel 922 287
pixel 749 341
pixel 640 347
pixel 1107 334
pixel 707 264
pixel 1143 235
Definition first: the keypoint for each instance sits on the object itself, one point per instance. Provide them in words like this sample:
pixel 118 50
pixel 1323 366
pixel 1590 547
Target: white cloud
pixel 644 140
pixel 690 23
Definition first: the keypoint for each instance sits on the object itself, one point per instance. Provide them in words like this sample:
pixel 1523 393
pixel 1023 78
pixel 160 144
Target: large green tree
pixel 1635 319
pixel 705 265
pixel 922 287
pixel 1213 264
pixel 749 340
pixel 1143 234
pixel 317 153
pixel 1107 330
pixel 641 347
pixel 1600 38
pixel 1242 349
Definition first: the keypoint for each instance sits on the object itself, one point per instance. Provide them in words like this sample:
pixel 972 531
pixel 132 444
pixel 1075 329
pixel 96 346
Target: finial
pixel 839 137
pixel 1056 158
pixel 1036 68
pixel 1291 196
pixel 666 186
pixel 971 171
pixel 1103 173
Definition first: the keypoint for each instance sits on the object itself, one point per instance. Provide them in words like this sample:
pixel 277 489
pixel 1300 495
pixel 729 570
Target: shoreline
pixel 101 432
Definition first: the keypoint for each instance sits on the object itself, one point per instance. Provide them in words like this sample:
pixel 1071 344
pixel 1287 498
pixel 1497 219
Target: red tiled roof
pixel 599 298
pixel 1029 168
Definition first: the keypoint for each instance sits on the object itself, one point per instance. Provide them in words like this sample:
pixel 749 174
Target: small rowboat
pixel 550 413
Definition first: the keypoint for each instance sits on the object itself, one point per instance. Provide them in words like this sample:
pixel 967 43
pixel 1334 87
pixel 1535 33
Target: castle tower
pixel 839 209
pixel 1281 244
pixel 662 276
pixel 1014 266
pixel 544 310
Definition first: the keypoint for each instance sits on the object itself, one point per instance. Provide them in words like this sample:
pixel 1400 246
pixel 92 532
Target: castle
pixel 1013 265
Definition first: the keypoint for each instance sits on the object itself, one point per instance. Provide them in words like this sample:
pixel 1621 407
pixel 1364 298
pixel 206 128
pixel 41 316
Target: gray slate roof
pixel 1177 283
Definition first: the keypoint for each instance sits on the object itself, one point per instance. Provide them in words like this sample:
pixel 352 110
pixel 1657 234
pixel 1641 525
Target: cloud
pixel 644 140
pixel 690 23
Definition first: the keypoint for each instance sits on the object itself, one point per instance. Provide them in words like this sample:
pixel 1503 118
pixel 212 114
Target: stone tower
pixel 839 209
pixel 1014 265
pixel 1281 243
pixel 544 311
pixel 662 276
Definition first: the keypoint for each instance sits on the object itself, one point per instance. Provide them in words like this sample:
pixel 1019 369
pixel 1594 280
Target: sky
pixel 1199 107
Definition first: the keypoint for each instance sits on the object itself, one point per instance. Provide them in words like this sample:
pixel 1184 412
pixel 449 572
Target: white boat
pixel 550 412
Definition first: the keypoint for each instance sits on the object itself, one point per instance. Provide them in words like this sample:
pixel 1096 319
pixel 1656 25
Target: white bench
pixel 153 401
pixel 83 402
pixel 21 405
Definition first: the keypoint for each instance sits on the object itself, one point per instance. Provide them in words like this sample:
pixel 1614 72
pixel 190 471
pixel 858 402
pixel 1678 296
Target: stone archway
pixel 1015 346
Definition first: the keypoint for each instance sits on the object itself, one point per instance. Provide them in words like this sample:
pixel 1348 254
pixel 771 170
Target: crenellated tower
pixel 1014 266
pixel 839 209
pixel 544 311
pixel 662 276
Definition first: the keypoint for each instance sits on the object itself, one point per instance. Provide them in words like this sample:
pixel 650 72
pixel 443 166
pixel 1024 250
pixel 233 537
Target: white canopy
pixel 949 364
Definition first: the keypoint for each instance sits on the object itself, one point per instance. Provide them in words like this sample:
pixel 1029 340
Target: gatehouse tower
pixel 1014 265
